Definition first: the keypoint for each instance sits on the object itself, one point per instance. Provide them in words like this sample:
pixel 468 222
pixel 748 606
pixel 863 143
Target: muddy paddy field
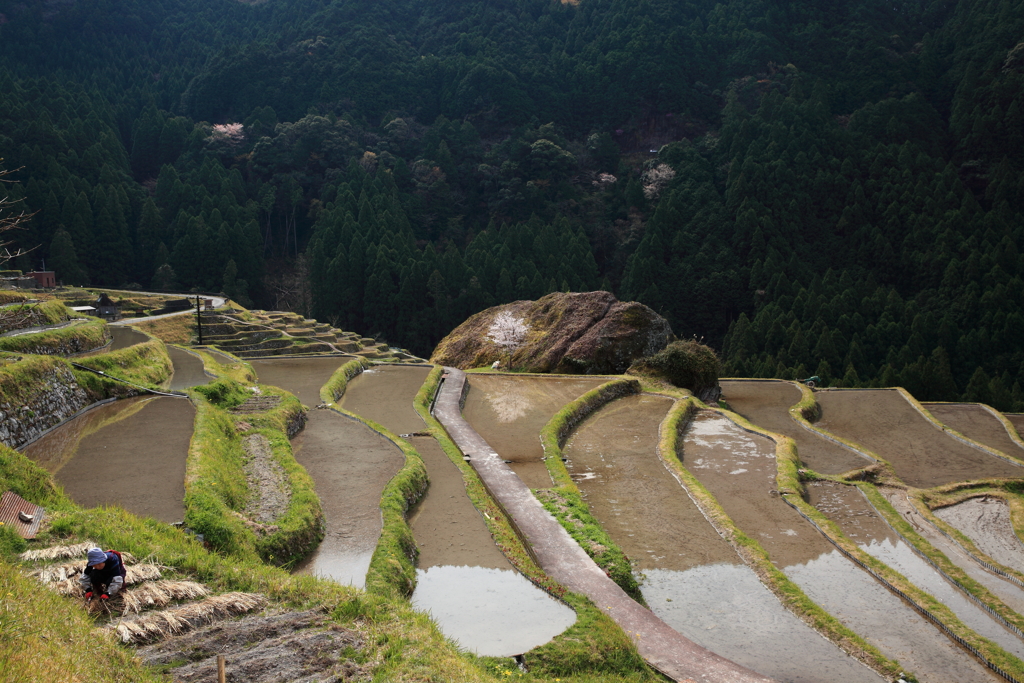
pixel 463 580
pixel 129 453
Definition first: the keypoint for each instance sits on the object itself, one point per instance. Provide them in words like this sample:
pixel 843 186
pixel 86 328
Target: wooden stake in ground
pixel 221 673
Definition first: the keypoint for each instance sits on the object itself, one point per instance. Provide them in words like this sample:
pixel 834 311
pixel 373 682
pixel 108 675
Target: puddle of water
pixel 853 597
pixel 130 453
pixel 724 608
pixel 385 395
pixel 886 423
pixel 613 457
pixel 490 612
pixel 509 412
pixel 712 448
pixel 1011 594
pixel 767 404
pixel 986 521
pixel 976 423
pixel 188 369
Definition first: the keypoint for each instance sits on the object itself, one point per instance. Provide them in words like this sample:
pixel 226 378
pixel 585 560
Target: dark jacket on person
pixel 113 566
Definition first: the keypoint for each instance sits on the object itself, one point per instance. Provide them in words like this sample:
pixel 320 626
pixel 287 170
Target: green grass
pixel 564 500
pixel 80 336
pixel 335 387
pixel 216 490
pixel 146 364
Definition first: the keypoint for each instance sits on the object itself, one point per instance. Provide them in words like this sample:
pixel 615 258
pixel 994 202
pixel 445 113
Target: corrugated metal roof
pixel 10 505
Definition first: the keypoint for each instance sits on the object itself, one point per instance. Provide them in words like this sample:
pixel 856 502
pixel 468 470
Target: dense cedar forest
pixel 811 187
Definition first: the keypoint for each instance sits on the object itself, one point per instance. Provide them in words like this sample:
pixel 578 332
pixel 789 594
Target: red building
pixel 44 278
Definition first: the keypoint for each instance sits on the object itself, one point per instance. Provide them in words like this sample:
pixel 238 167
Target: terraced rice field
pixel 130 453
pixel 350 465
pixel 738 468
pixel 463 580
pixel 509 411
pixel 886 423
pixel 691 577
pixel 978 423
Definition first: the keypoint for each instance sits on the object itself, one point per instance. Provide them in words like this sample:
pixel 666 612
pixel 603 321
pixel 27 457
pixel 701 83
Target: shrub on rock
pixel 686 364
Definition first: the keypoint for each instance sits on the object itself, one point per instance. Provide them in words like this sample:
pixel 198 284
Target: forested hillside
pixel 812 187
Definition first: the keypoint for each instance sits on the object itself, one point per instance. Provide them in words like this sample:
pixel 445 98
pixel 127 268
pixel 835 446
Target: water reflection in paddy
pixel 986 521
pixel 691 577
pixel 509 412
pixel 738 468
pixel 846 506
pixel 462 578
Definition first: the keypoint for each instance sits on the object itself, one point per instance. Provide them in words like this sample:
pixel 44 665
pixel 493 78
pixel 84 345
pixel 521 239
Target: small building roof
pixel 82 309
pixel 19 514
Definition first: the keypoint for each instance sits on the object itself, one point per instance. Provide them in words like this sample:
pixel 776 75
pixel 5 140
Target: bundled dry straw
pixel 161 594
pixel 57 552
pixel 69 586
pixel 158 625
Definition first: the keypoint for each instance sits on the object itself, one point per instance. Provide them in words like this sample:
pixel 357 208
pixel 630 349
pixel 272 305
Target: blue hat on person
pixel 95 557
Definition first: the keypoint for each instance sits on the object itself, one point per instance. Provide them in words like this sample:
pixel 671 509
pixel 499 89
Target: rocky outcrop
pixel 48 394
pixel 579 333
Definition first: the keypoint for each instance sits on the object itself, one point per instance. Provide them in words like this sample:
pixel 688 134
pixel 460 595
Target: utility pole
pixel 199 321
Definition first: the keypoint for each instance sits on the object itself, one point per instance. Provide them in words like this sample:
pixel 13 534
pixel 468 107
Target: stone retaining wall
pixel 52 396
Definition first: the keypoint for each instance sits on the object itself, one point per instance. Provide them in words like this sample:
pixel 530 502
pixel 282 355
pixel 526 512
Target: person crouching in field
pixel 104 574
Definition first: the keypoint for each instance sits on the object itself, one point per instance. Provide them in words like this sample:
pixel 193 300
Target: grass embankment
pixel 753 554
pixel 594 648
pixel 146 364
pixel 216 488
pixel 44 637
pixel 392 568
pixel 75 338
pixel 789 476
pixel 564 500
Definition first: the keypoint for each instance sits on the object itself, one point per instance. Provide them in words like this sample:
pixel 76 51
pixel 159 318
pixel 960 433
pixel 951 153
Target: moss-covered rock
pixel 575 332
pixel 686 364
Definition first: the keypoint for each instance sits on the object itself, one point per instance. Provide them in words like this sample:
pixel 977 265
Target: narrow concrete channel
pixel 691 577
pixel 509 411
pixel 463 580
pixel 738 468
pixel 767 403
pixel 848 508
pixel 986 521
pixel 350 465
pixel 129 453
pixel 977 423
pixel 884 421
pixel 562 558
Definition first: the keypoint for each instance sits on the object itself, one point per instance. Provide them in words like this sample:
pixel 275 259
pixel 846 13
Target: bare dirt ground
pixel 1017 420
pixel 267 479
pixel 886 423
pixel 385 395
pixel 298 647
pixel 767 404
pixel 976 423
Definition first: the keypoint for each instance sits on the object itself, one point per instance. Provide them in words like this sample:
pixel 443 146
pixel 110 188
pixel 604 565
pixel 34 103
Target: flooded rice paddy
pixel 977 423
pixel 350 464
pixel 509 412
pixel 188 369
pixel 767 405
pixel 1010 593
pixel 738 468
pixel 846 506
pixel 884 421
pixel 129 453
pixel 691 577
pixel 986 521
pixel 463 580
